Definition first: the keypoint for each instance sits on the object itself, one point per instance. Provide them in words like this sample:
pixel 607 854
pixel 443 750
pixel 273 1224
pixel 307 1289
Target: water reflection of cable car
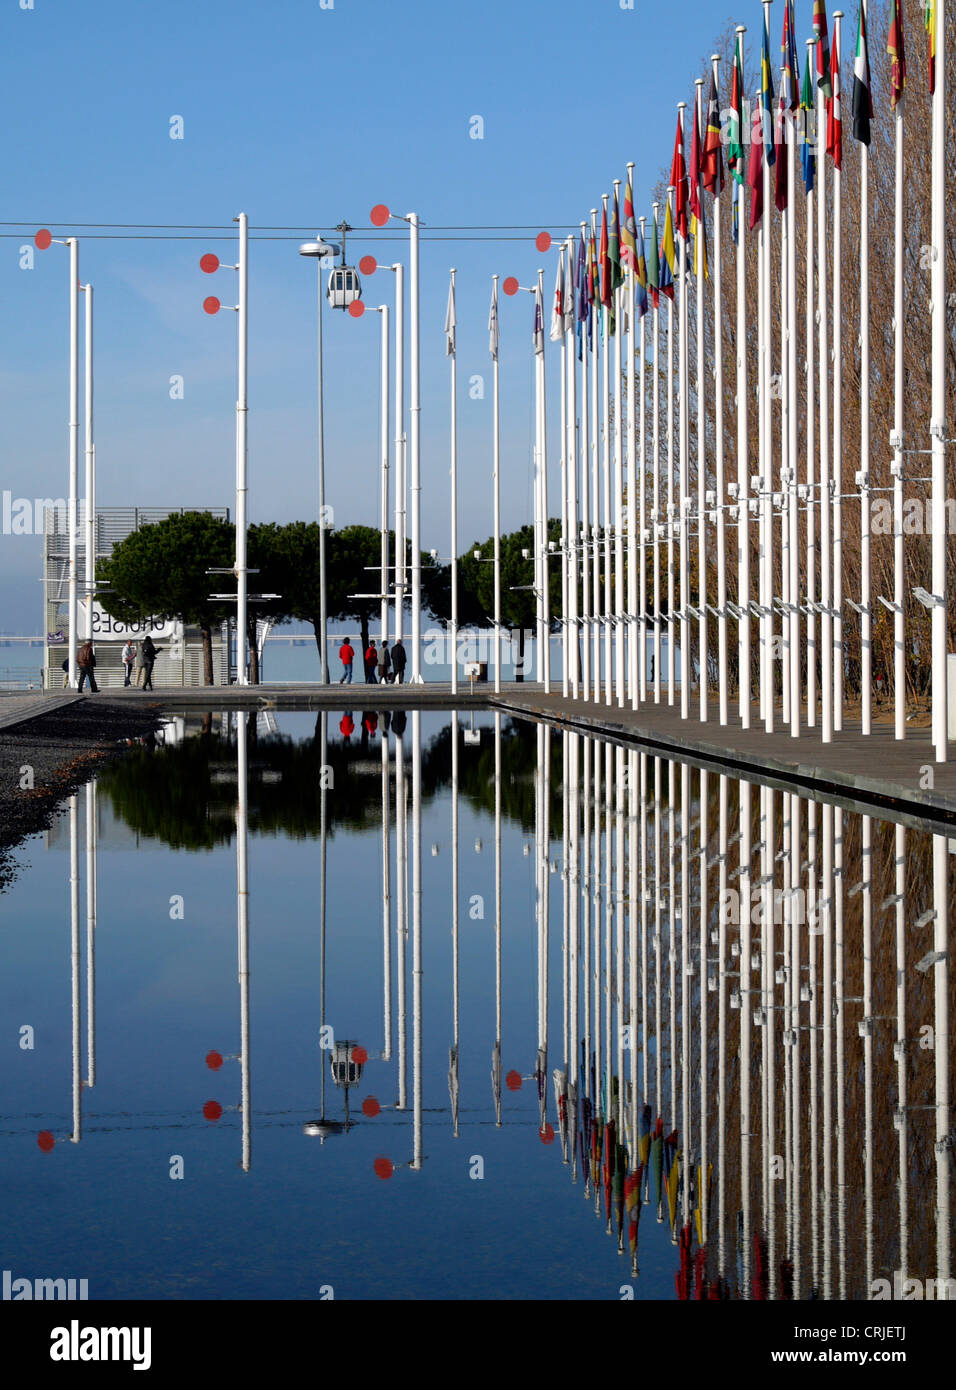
pixel 347 1061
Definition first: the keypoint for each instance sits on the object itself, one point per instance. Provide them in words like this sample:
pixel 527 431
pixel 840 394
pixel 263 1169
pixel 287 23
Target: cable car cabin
pixel 344 287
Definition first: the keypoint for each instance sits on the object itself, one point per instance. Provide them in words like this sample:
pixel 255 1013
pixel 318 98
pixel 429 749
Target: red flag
pixel 605 262
pixel 695 153
pixel 896 49
pixel 679 181
pixel 834 116
pixel 755 167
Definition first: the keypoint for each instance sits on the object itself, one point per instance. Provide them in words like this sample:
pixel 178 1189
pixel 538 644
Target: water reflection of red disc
pixel 371 1107
pixel 212 1110
pixel 45 1140
pixel 213 1060
pixel 546 1135
pixel 543 241
pixel 379 215
pixel 359 1055
pixel 383 1168
pixel 513 1081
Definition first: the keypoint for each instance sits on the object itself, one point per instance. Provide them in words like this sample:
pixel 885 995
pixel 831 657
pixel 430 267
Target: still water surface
pixel 431 1007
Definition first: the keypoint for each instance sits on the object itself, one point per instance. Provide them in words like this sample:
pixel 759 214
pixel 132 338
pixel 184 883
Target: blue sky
pixel 300 116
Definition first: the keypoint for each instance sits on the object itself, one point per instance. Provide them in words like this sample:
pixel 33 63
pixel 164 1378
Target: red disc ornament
pixel 43 239
pixel 368 265
pixel 356 308
pixel 510 286
pixel 379 215
pixel 209 263
pixel 543 241
pixel 211 305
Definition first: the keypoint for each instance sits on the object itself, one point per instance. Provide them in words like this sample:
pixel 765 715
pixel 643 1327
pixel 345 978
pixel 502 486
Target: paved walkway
pixel 17 709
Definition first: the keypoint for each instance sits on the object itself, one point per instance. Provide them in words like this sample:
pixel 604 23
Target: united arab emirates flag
pixel 862 99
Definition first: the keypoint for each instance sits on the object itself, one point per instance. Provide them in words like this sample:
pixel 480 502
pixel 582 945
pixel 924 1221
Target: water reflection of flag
pixel 560 1079
pixel 496 1081
pixel 620 1175
pixel 632 1202
pixel 672 1178
pixel 453 1086
pixel 657 1162
pixel 610 1149
pixel 644 1135
pixel 682 1278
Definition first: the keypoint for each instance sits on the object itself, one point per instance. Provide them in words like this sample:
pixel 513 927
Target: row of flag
pixel 586 286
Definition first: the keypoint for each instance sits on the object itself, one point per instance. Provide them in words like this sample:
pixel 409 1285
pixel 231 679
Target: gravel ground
pixel 64 749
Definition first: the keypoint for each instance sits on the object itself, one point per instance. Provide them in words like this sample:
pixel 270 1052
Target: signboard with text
pixel 108 629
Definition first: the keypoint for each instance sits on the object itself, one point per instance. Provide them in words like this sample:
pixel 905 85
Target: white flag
pixel 493 324
pixel 538 323
pixel 557 311
pixel 450 322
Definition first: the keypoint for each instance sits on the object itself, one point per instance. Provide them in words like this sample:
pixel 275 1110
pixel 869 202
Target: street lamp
pixel 321 251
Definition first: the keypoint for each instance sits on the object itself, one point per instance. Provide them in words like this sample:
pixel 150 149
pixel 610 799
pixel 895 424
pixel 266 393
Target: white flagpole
pixel 496 456
pixel 763 389
pixel 811 436
pixel 90 519
pixel 766 465
pixel 617 625
pixel 938 424
pixel 838 412
pixel 896 442
pixel 656 508
pixel 73 518
pixel 671 578
pixel 743 442
pixel 385 424
pixel 701 453
pixel 415 475
pixel 720 480
pixel 572 616
pixel 684 456
pixel 785 412
pixel 454 498
pixel 545 626
pixel 585 529
pixel 866 621
pixel 595 490
pixel 823 390
pixel 399 629
pixel 642 516
pixel 632 480
pixel 608 606
pixel 242 416
pixel 793 595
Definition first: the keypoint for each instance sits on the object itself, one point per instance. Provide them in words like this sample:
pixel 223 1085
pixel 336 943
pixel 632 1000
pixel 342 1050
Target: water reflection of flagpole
pixel 619 975
pixel 90 933
pixel 644 890
pixel 900 1049
pixel 607 876
pixel 77 1134
pixel 401 912
pixel 635 889
pixel 242 900
pixel 453 1052
pixel 867 1030
pixel 827 1046
pixel 745 1028
pixel 685 967
pixel 586 914
pixel 840 1014
pixel 496 1060
pixel 703 988
pixel 813 919
pixel 658 1044
pixel 574 876
pixel 944 1140
pixel 796 917
pixel 386 903
pixel 672 912
pixel 722 850
pixel 417 931
pixel 543 919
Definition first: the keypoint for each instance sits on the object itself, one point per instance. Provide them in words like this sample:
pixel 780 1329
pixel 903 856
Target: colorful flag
pixel 700 247
pixel 493 324
pixel 557 309
pixel 582 287
pixel 712 165
pixel 896 49
pixel 789 94
pixel 640 275
pixel 679 181
pixel 821 33
pixel 629 231
pixel 570 292
pixel 614 246
pixel 693 174
pixel 605 262
pixel 766 94
pixel 595 292
pixel 862 95
pixel 450 322
pixel 654 269
pixel 807 129
pixel 668 254
pixel 538 332
pixel 755 168
pixel 735 132
pixel 929 20
pixel 834 115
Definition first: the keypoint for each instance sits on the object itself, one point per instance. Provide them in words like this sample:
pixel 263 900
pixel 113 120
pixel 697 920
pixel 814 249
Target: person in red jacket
pixel 346 656
pixel 371 661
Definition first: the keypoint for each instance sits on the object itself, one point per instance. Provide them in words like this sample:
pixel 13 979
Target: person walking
pixel 398 661
pixel 139 664
pixel 346 656
pixel 86 660
pixel 129 656
pixel 384 664
pixel 371 661
pixel 150 653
